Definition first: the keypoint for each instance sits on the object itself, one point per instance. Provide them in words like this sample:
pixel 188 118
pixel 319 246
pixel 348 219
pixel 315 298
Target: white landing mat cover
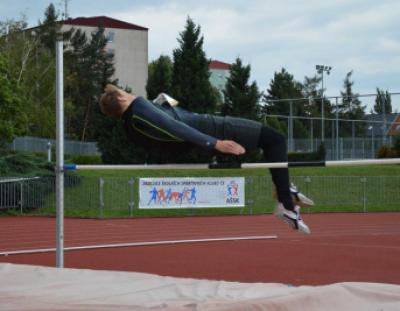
pixel 24 287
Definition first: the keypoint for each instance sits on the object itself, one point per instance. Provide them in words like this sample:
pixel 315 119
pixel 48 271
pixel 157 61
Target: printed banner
pixel 181 192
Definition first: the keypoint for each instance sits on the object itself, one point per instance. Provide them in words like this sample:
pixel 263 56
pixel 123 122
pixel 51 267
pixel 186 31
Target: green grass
pixel 333 189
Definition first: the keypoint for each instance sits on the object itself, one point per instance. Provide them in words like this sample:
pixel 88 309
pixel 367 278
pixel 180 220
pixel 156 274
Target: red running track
pixel 342 247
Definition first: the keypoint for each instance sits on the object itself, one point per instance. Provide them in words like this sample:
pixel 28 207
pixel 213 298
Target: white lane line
pixel 47 250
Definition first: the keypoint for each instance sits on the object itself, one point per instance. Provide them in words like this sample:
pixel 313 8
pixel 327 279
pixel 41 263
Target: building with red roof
pixel 129 44
pixel 219 74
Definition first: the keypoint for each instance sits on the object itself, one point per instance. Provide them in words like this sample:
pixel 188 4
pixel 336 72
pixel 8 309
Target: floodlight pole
pixel 321 69
pixel 59 151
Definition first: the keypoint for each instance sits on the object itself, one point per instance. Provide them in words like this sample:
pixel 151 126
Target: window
pixel 110 37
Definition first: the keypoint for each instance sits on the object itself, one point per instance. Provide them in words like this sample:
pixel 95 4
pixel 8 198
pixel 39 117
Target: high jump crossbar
pixel 72 167
pixel 60 167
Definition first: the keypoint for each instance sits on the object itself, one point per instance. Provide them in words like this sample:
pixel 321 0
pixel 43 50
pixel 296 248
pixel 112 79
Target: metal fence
pixel 118 196
pixel 343 138
pixel 25 193
pixel 36 144
pixel 343 148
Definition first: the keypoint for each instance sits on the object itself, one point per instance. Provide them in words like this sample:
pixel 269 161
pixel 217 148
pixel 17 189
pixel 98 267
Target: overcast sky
pixel 358 35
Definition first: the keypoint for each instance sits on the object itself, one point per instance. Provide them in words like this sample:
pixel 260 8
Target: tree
pixel 383 102
pixel 274 123
pixel 90 68
pixel 13 120
pixel 312 106
pixel 241 98
pixel 351 108
pixel 190 82
pixel 282 86
pixel 49 28
pixel 160 77
pixel 32 66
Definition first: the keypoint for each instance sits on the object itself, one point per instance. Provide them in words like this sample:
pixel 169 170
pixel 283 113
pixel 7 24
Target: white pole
pixel 60 152
pixel 49 152
pixel 73 167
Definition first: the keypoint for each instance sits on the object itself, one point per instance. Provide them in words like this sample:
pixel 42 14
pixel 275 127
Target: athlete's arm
pixel 160 125
pixel 229 146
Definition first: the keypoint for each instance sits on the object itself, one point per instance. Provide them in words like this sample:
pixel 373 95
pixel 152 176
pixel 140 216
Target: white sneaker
pixel 292 218
pixel 299 198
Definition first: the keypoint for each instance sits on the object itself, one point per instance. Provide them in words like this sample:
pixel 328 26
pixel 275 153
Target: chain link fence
pixel 37 144
pixel 118 196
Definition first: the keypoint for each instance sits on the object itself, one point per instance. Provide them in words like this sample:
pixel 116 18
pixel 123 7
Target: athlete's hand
pixel 229 146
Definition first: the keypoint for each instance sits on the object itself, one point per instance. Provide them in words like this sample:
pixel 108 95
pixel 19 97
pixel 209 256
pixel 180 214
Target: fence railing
pixel 118 196
pixel 343 148
pixel 336 149
pixel 36 144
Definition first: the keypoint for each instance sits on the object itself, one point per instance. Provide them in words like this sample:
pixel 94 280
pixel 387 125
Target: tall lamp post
pixel 321 69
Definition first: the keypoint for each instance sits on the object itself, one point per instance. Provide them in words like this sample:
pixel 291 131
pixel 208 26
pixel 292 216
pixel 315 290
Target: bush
pixel 396 146
pixel 386 151
pixel 84 159
pixel 13 163
pixel 318 155
pixel 28 193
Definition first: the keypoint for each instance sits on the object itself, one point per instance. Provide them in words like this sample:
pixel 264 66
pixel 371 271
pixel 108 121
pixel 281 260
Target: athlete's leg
pixel 273 145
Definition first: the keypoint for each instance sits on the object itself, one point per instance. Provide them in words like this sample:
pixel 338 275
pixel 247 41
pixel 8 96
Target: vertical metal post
pixel 337 129
pixel 131 196
pixel 60 152
pixel 322 110
pixel 49 152
pixel 363 149
pixel 364 199
pixel 21 197
pixel 353 135
pixel 101 197
pixel 341 148
pixel 312 135
pixel 249 195
pixel 307 182
pixel 383 103
pixel 372 143
pixel 333 140
pixel 291 127
pixel 288 133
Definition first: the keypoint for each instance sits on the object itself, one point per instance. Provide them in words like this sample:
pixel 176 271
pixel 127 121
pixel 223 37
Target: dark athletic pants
pixel 273 145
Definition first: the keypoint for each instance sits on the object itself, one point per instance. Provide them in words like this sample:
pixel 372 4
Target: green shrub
pixel 16 163
pixel 386 151
pixel 318 155
pixel 396 146
pixel 83 159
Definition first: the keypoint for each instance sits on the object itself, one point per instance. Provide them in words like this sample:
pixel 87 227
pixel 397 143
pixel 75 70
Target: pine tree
pixel 282 86
pixel 383 102
pixel 310 90
pixel 351 108
pixel 190 82
pixel 90 68
pixel 241 98
pixel 49 28
pixel 274 123
pixel 160 77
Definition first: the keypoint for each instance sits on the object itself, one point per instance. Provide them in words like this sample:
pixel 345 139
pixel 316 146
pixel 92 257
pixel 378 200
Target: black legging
pixel 273 145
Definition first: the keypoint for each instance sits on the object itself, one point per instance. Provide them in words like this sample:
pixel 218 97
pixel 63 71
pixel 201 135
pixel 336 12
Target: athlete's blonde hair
pixel 109 103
